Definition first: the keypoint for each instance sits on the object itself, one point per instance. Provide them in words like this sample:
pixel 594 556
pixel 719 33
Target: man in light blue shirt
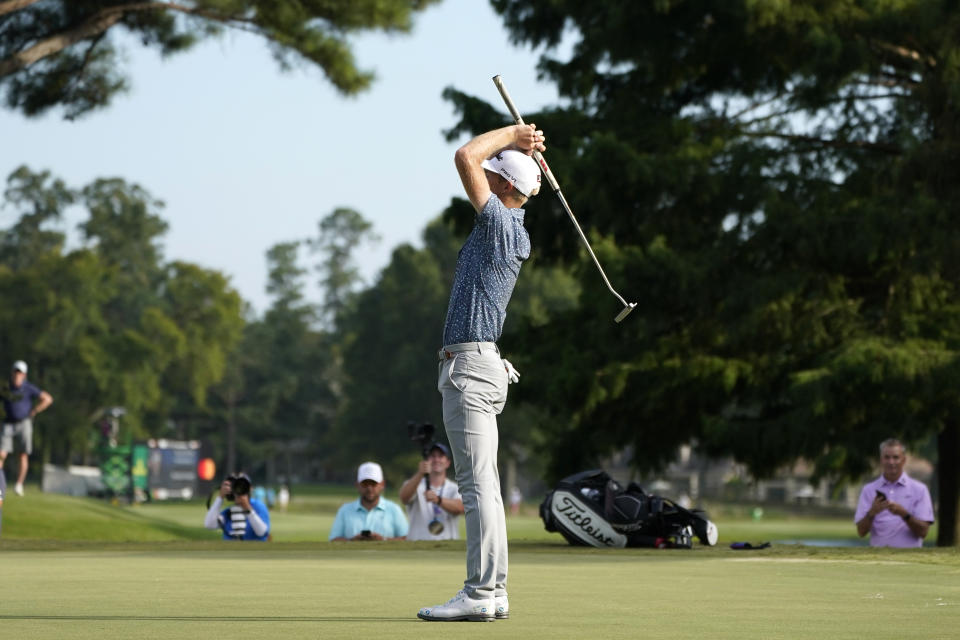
pixel 370 517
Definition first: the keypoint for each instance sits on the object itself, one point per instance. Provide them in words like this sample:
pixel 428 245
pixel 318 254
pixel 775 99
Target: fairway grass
pixel 322 590
pixel 44 516
pixel 80 568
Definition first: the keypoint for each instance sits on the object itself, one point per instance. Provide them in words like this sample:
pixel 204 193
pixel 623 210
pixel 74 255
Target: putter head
pixel 626 311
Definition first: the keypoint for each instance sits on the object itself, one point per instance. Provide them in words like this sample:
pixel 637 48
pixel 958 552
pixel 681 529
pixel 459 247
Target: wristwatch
pixel 906 517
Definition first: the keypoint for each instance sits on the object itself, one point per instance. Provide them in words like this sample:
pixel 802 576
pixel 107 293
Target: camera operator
pixel 247 519
pixel 433 510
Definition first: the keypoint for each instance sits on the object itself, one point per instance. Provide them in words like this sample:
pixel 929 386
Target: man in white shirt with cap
pixel 369 517
pixel 433 501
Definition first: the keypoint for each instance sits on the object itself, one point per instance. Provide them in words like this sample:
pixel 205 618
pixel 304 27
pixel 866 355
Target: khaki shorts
pixel 17 437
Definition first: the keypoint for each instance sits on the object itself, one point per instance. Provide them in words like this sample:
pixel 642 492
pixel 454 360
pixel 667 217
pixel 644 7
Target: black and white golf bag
pixel 592 509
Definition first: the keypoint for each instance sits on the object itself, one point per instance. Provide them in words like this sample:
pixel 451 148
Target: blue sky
pixel 245 156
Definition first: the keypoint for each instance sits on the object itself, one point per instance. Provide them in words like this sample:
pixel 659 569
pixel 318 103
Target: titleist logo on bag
pixel 585 523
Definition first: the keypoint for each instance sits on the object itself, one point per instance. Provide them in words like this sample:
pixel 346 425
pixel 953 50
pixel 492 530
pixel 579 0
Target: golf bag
pixel 592 509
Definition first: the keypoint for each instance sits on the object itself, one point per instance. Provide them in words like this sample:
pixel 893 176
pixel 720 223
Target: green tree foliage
pixel 208 316
pixel 39 199
pixel 124 229
pixel 390 338
pixel 279 394
pixel 64 52
pixel 294 379
pixel 109 323
pixel 774 183
pixel 284 380
pixel 341 234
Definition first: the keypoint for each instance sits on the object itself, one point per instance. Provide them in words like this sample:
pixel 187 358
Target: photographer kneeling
pixel 433 501
pixel 247 519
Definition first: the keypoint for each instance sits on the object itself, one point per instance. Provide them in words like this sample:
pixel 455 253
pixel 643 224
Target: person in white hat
pixel 369 517
pixel 499 176
pixel 432 500
pixel 22 401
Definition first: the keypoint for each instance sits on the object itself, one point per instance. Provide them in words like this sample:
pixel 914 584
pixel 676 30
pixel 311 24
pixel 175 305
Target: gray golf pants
pixel 473 384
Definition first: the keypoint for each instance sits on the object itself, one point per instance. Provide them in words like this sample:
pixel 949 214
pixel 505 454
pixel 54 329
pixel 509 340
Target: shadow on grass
pixel 168 527
pixel 104 618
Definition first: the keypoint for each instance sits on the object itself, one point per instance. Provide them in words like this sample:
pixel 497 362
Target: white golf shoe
pixel 18 489
pixel 459 608
pixel 502 608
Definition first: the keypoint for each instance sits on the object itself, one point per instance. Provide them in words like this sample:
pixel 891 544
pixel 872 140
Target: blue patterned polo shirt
pixel 487 270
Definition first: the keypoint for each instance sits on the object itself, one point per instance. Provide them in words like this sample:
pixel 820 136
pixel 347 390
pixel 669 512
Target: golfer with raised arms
pixel 499 176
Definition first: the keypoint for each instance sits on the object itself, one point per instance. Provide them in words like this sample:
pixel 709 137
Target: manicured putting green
pixel 201 590
pixel 80 568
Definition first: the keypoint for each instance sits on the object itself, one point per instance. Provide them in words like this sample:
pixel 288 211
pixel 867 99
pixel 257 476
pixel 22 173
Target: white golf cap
pixel 370 471
pixel 20 365
pixel 518 168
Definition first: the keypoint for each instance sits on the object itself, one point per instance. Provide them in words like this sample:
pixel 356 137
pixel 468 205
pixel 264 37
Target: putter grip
pixel 497 80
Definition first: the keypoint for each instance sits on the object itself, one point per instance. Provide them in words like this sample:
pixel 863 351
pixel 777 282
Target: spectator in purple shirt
pixel 22 401
pixel 894 509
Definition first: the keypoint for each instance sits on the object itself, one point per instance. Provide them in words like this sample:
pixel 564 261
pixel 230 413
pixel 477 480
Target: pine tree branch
pixel 756 105
pixel 907 54
pixel 82 67
pixel 899 83
pixel 843 98
pixel 15 5
pixel 96 24
pixel 825 142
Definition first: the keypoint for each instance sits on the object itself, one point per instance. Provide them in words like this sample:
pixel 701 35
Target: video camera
pixel 239 485
pixel 421 433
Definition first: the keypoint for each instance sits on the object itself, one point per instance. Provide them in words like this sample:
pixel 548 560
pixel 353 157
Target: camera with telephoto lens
pixel 421 433
pixel 239 485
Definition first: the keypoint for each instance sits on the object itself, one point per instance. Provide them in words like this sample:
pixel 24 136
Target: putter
pixel 627 306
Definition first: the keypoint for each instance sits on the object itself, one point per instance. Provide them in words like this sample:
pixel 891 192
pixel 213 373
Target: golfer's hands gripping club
pixel 512 374
pixel 529 139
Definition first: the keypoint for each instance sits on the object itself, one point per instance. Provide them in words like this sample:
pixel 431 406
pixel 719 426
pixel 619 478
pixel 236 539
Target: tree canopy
pixel 110 323
pixel 774 182
pixel 64 53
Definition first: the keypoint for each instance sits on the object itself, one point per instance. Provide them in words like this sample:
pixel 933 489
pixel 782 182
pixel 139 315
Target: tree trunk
pixel 511 479
pixel 231 434
pixel 948 474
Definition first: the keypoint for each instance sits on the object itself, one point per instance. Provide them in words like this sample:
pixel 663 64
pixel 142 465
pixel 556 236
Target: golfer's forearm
pixel 485 145
pixel 863 526
pixel 470 156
